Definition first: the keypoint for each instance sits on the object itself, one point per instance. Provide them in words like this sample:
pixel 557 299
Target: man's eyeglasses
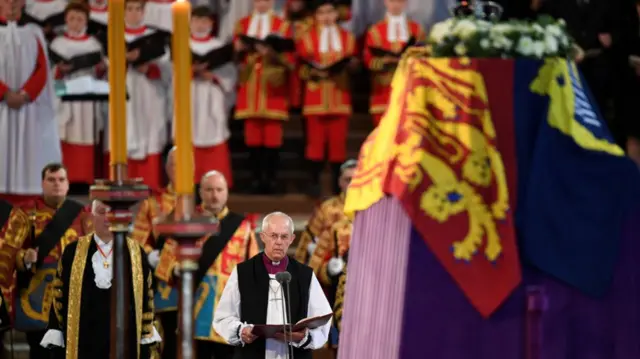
pixel 276 236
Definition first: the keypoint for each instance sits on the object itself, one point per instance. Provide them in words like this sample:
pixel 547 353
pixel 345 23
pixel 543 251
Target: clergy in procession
pixel 263 93
pixel 328 213
pixel 221 253
pixel 384 43
pixel 148 83
pixel 160 204
pixel 35 236
pixel 326 53
pixel 47 14
pixel 253 296
pixel 29 139
pixel 213 91
pixel 79 122
pixel 80 316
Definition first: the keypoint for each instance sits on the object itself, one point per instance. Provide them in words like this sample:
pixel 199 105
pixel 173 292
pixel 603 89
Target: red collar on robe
pixel 82 37
pixel 102 8
pixel 135 30
pixel 201 38
pixel 275 267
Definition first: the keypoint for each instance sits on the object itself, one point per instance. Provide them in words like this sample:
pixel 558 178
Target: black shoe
pixel 335 177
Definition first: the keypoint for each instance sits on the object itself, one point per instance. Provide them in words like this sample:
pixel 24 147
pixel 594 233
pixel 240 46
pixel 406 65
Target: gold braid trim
pixel 74 297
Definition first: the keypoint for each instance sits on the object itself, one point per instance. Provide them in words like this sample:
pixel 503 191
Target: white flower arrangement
pixel 473 37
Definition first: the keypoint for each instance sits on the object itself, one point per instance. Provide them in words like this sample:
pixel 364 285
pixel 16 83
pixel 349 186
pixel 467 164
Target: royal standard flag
pixel 438 153
pixel 477 150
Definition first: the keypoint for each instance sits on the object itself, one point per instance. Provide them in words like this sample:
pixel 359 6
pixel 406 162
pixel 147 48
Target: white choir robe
pixel 99 14
pixel 147 115
pixel 226 318
pixel 42 9
pixel 157 14
pixel 211 104
pixel 79 122
pixel 28 136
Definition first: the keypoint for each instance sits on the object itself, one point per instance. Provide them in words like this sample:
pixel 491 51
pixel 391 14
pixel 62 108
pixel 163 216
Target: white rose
pixel 551 44
pixel 538 49
pixel 537 28
pixel 485 43
pixel 561 22
pixel 501 28
pixel 554 30
pixel 460 49
pixel 439 31
pixel 525 46
pixel 464 29
pixel 502 42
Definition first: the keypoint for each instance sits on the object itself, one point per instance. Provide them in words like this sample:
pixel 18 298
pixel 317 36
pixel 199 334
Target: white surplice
pixel 212 101
pixel 148 106
pixel 226 318
pixel 99 14
pixel 79 122
pixel 28 136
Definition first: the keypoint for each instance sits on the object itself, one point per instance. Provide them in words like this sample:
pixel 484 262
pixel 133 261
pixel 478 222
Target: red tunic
pixel 381 81
pixel 264 88
pixel 331 96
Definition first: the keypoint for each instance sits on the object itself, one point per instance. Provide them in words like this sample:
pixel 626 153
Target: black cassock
pixel 82 311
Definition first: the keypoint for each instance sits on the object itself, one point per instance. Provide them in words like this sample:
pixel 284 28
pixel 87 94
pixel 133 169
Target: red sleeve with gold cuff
pixel 34 85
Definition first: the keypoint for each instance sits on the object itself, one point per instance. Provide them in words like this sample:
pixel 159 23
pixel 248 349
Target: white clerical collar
pixel 101 243
pixel 397 18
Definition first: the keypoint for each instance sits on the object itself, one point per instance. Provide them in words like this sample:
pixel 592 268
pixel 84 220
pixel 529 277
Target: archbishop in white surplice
pixel 212 102
pixel 28 135
pixel 253 296
pixel 79 122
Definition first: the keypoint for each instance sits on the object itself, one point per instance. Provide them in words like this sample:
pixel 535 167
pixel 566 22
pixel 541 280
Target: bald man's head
pixel 214 191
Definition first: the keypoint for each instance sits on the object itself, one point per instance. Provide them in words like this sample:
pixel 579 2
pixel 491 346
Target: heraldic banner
pixel 481 170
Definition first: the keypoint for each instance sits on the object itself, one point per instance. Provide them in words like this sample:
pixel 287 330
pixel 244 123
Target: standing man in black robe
pixel 80 322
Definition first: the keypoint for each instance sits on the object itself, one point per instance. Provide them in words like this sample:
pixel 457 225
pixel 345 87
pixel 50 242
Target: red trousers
pixel 327 130
pixel 149 169
pixel 213 158
pixel 80 161
pixel 376 117
pixel 262 132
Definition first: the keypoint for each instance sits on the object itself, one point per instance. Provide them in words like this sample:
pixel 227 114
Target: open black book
pixel 332 69
pixel 270 330
pixel 80 62
pixel 277 43
pixel 54 20
pixel 379 52
pixel 152 47
pixel 214 58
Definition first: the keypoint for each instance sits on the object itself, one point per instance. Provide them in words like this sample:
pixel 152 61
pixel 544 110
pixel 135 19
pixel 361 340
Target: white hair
pixel 94 205
pixel 268 217
pixel 211 174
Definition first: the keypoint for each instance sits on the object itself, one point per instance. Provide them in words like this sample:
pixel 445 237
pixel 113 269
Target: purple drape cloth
pixel 401 304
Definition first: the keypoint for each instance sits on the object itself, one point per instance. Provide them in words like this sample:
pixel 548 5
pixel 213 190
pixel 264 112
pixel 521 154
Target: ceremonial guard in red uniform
pixel 326 53
pixel 384 44
pixel 264 93
pixel 35 235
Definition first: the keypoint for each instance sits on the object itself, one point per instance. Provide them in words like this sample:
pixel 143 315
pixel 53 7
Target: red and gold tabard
pixel 239 248
pixel 263 90
pixel 33 290
pixel 378 37
pixel 329 96
pixel 300 27
pixel 157 205
pixel 330 212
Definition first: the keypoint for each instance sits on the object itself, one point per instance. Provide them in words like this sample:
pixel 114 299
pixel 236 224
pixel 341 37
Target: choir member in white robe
pixel 212 95
pixel 148 87
pixel 41 10
pixel 28 130
pixel 79 122
pixel 158 14
pixel 98 21
pixel 253 296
